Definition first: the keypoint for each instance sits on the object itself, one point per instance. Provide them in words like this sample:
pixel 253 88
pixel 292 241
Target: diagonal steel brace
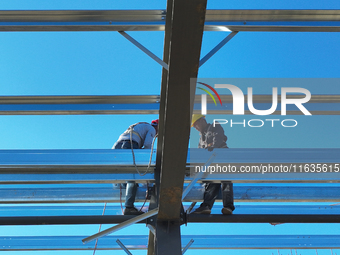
pixel 145 50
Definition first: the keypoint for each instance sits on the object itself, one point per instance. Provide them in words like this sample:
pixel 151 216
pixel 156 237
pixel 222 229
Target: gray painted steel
pixel 217 48
pixel 78 105
pixel 91 100
pixel 121 225
pixel 154 20
pixel 66 105
pixel 123 247
pixel 145 50
pixel 187 24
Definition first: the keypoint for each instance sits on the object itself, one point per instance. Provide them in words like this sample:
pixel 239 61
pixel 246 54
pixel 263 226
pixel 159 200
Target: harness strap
pixel 130 130
pixel 134 132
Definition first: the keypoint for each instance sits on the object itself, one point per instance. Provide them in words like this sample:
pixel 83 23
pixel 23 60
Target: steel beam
pixel 79 158
pixel 121 225
pixel 273 20
pixel 95 210
pixel 139 242
pixel 105 166
pixel 123 247
pixel 69 220
pixel 73 178
pixel 62 243
pixel 145 50
pixel 153 241
pixel 148 99
pixel 269 98
pixel 89 100
pixel 79 178
pixel 246 112
pixel 72 166
pixel 152 221
pixel 256 156
pixel 67 105
pixel 269 165
pixel 242 193
pixel 264 218
pixel 165 228
pixel 168 238
pixel 186 39
pixel 217 48
pixel 102 20
pixel 183 39
pixel 197 177
pixel 187 246
pixel 154 20
pixel 80 105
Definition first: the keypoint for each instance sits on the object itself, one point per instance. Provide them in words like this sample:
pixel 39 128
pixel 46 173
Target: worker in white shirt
pixel 137 136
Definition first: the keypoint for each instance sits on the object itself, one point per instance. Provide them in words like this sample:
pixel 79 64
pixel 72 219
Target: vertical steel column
pixel 187 22
pixel 187 31
pixel 152 221
pixel 167 36
pixel 168 238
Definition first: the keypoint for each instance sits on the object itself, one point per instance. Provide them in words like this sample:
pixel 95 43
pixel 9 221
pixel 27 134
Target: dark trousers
pixel 131 187
pixel 213 189
pixel 125 145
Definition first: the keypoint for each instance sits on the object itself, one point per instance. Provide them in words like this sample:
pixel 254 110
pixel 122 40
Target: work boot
pixel 202 210
pixel 227 211
pixel 132 211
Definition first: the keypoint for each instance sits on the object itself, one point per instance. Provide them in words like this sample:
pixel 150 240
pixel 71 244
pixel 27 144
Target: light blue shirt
pixel 146 134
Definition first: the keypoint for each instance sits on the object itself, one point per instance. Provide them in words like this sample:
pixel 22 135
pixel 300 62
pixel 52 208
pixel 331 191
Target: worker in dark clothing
pixel 137 136
pixel 213 137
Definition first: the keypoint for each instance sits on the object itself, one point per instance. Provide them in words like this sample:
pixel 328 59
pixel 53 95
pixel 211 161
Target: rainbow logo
pixel 209 93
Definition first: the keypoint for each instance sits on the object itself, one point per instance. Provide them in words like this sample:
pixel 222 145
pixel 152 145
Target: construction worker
pixel 137 136
pixel 213 137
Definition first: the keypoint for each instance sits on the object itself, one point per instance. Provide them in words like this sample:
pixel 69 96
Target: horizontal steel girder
pixel 254 193
pixel 134 242
pixel 154 20
pixel 77 105
pixel 65 105
pixel 91 210
pixel 85 159
pixel 193 218
pixel 268 165
pixel 81 159
pixel 114 166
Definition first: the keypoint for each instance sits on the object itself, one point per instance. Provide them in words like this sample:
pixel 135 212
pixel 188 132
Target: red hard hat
pixel 154 122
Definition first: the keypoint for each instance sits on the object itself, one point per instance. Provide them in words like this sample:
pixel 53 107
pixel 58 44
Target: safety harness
pixel 131 131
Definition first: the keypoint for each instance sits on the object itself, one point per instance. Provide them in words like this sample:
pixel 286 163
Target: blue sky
pixel 105 63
